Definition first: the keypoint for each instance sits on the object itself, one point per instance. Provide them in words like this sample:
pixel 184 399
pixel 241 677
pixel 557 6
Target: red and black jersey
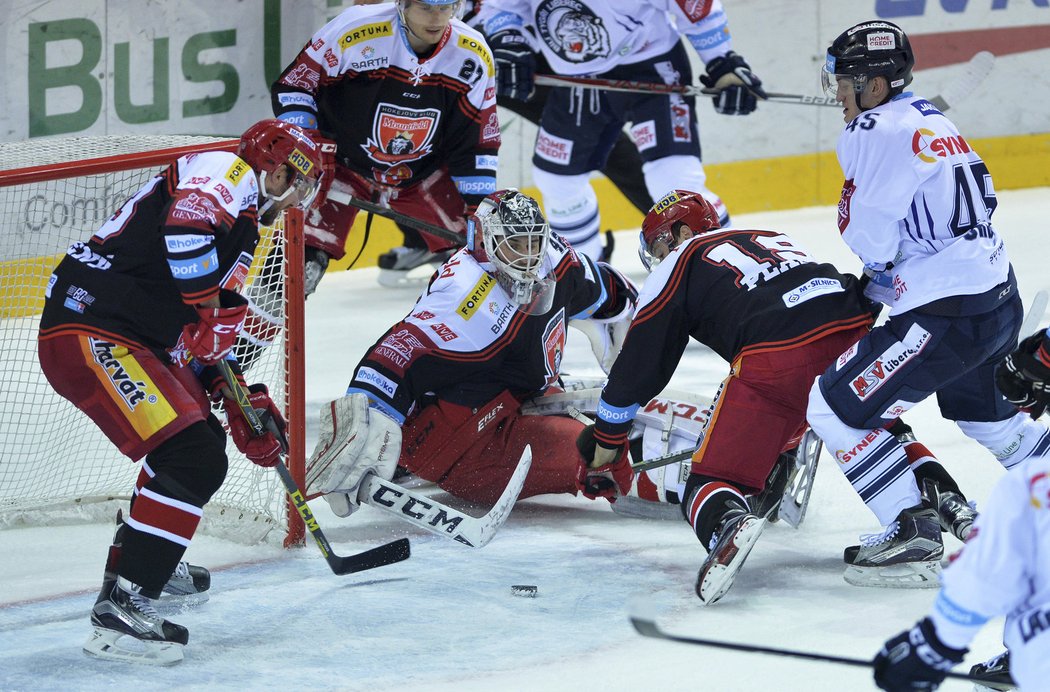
pixel 188 232
pixel 397 117
pixel 735 291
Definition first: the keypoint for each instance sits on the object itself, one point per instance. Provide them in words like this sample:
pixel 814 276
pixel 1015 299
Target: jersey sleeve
pixel 991 576
pixel 881 182
pixel 294 95
pixel 210 193
pixel 705 25
pixel 654 344
pixel 474 134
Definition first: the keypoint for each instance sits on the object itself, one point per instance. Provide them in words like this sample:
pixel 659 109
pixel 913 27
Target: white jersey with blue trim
pixel 586 37
pixel 918 197
pixel 1004 569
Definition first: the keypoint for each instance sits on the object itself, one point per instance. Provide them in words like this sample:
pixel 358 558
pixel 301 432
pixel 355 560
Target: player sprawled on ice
pixel 766 306
pixel 916 207
pixel 441 393
pixel 1004 568
pixel 638 40
pixel 407 92
pixel 134 322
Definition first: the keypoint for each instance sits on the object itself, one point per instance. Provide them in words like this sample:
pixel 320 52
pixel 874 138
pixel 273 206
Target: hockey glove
pixel 1024 376
pixel 739 87
pixel 264 450
pixel 328 149
pixel 602 471
pixel 211 338
pixel 515 64
pixel 915 660
pixel 316 265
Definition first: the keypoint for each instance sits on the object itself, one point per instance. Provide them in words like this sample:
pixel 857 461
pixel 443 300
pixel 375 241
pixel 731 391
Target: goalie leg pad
pixel 354 441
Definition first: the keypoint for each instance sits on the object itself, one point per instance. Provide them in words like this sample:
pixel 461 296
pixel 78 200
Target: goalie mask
pixel 660 227
pixel 866 51
pixel 269 144
pixel 509 233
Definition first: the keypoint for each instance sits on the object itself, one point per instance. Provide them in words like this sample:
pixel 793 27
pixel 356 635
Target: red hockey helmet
pixel 269 144
pixel 658 229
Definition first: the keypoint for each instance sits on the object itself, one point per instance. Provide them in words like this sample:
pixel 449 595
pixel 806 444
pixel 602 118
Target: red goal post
pixel 55 465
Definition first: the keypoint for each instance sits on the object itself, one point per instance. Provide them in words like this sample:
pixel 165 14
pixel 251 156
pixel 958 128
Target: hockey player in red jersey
pixel 440 394
pixel 135 321
pixel 407 93
pixel 765 305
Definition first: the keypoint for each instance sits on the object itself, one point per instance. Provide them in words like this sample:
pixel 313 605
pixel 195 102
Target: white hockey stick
pixel 974 72
pixel 419 510
pixel 1034 317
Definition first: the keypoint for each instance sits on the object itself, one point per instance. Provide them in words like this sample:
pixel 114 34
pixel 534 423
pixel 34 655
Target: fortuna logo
pixel 131 391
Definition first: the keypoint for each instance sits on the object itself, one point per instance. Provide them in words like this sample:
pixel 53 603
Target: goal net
pixel 56 466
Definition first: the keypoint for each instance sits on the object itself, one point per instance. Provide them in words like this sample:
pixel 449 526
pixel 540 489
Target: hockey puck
pixel 524 590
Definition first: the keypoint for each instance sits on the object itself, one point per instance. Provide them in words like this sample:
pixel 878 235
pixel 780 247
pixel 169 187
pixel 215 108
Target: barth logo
pixel 504 316
pixel 473 301
pixel 366 33
pixel 107 355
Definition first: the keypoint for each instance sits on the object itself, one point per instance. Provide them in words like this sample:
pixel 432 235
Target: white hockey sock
pixel 1012 440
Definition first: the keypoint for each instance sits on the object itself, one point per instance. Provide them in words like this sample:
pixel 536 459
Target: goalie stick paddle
pixel 398 217
pixel 386 554
pixel 646 625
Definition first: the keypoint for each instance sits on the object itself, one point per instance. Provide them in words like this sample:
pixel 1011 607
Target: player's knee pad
pixel 681 173
pixel 572 209
pixel 192 465
pixel 1012 440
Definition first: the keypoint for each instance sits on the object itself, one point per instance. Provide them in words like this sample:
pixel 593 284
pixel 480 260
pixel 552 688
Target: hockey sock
pixel 936 473
pixel 710 499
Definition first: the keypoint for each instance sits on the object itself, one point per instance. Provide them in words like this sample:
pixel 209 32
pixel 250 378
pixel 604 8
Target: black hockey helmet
pixel 867 50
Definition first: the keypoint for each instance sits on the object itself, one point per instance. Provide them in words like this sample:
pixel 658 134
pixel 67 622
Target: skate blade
pixel 171 602
pixel 410 278
pixel 636 507
pixel 116 646
pixel 718 572
pixel 909 575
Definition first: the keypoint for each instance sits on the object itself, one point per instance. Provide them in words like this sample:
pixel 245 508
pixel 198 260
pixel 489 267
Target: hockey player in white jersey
pixel 407 93
pixel 637 40
pixel 1004 569
pixel 916 207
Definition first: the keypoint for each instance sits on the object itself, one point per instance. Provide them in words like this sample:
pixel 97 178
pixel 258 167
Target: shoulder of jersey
pixel 223 174
pixel 470 42
pixel 358 25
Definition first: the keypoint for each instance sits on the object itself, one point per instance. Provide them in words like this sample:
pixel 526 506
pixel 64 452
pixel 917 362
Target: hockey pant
pixel 901 363
pixel 146 407
pixel 472 452
pixel 434 200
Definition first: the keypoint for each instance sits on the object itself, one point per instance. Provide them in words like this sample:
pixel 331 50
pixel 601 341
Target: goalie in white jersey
pixel 916 207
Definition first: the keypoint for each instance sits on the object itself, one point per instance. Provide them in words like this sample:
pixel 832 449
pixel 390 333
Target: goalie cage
pixel 56 466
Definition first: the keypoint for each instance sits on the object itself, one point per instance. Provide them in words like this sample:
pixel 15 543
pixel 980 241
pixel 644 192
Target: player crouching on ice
pixel 448 392
pixel 154 294
pixel 762 303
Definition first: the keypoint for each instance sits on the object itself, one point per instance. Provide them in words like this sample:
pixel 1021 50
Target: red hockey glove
pixel 264 450
pixel 328 149
pixel 213 337
pixel 611 478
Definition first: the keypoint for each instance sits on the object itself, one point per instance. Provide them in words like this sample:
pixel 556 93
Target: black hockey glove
pixel 739 87
pixel 1024 378
pixel 915 660
pixel 515 64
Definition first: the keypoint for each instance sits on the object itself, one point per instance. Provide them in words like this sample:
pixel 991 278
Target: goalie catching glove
pixel 603 471
pixel 355 440
pixel 264 450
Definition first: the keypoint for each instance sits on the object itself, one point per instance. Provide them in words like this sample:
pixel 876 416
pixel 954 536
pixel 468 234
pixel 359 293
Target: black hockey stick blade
pixel 647 627
pixel 397 217
pixel 387 554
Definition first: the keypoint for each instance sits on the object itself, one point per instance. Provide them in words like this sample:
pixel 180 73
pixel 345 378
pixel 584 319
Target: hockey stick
pixel 387 554
pixel 974 72
pixel 1034 317
pixel 647 627
pixel 398 217
pixel 440 519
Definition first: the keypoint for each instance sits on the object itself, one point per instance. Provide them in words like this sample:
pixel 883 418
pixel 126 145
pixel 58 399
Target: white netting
pixel 55 465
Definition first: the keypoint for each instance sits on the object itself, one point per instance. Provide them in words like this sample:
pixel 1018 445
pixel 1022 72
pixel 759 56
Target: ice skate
pixel 128 628
pixel 188 586
pixel 906 555
pixel 649 497
pixel 954 513
pixel 408 266
pixel 736 536
pixel 994 674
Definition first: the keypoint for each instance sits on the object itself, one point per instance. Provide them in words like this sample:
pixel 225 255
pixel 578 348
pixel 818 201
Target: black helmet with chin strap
pixel 868 50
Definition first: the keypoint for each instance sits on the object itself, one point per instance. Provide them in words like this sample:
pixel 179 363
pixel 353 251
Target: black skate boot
pixel 954 513
pixel 906 555
pixel 733 541
pixel 127 628
pixel 994 674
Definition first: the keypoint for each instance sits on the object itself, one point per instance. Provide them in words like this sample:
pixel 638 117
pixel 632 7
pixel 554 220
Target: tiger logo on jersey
pixel 572 30
pixel 400 135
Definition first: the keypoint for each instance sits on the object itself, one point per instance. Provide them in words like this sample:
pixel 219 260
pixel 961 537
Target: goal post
pixel 55 465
